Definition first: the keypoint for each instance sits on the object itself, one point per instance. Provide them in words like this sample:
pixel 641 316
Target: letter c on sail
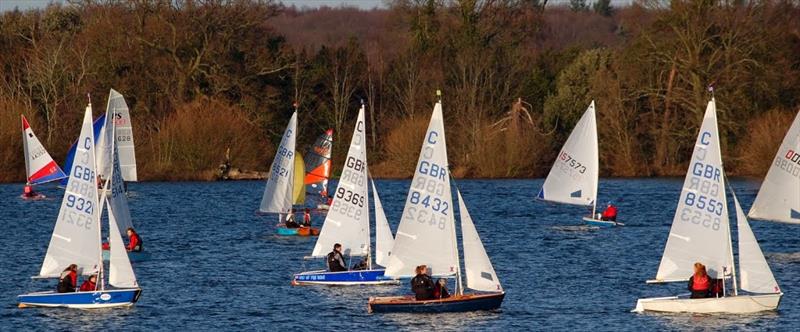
pixel 432 137
pixel 87 143
pixel 704 138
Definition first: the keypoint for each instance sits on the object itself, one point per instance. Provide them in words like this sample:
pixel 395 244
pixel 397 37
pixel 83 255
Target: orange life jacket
pixel 700 284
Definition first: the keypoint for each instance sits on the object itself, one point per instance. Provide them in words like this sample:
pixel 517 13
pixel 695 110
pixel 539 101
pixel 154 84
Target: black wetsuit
pixel 335 262
pixel 422 286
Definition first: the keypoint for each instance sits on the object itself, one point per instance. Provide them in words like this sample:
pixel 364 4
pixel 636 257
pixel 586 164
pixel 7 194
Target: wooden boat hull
pixel 741 304
pixel 301 231
pixel 81 300
pixel 344 278
pixel 456 303
pixel 132 256
pixel 601 223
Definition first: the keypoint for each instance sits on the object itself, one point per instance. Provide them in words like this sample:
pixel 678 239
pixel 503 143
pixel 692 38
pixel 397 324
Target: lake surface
pixel 218 266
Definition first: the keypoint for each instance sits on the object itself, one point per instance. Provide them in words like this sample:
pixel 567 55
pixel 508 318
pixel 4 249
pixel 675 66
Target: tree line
pixel 202 77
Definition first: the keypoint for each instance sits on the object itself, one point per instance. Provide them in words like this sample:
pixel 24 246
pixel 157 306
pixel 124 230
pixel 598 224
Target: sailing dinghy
pixel 427 236
pixel 701 233
pixel 779 196
pixel 39 166
pixel 279 194
pixel 318 166
pixel 347 222
pixel 574 176
pixel 76 240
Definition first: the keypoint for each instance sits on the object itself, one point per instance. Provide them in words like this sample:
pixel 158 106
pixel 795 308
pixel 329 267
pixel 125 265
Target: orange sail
pixel 318 164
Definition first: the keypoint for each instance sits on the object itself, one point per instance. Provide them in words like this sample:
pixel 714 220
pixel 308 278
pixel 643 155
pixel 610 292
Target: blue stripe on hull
pixel 287 231
pixel 85 300
pixel 133 256
pixel 600 223
pixel 359 277
pixel 476 303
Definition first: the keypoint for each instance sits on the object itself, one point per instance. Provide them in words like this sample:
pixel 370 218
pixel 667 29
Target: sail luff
pixel 347 222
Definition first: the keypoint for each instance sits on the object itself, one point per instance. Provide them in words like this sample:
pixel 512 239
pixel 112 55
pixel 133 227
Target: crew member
pixel 335 260
pixel 307 217
pixel 89 285
pixel 68 279
pixel 610 214
pixel 422 284
pixel 699 283
pixel 28 192
pixel 134 241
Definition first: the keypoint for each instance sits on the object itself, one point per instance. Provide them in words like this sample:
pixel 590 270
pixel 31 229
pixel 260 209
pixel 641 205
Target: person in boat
pixel 610 213
pixel 335 259
pixel 28 192
pixel 330 200
pixel 422 284
pixel 89 285
pixel 700 283
pixel 361 265
pixel 290 221
pixel 440 289
pixel 307 217
pixel 68 280
pixel 134 241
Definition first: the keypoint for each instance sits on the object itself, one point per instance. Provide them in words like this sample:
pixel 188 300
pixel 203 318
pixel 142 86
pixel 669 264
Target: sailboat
pixel 427 236
pixel 779 196
pixel 701 233
pixel 39 166
pixel 574 176
pixel 76 240
pixel 279 194
pixel 318 166
pixel 347 222
pixel 118 116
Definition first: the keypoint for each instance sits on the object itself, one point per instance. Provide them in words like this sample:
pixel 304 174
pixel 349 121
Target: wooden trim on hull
pixel 455 303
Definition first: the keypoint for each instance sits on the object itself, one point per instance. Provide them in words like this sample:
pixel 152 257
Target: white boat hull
pixel 741 304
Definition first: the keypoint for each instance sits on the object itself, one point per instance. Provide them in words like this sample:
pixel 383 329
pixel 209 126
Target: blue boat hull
pixel 345 278
pixel 301 231
pixel 132 256
pixel 81 300
pixel 457 303
pixel 601 223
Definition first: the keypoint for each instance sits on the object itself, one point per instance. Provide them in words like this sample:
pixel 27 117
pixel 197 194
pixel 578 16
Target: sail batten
pixel 779 196
pixel 574 175
pixel 277 196
pixel 347 222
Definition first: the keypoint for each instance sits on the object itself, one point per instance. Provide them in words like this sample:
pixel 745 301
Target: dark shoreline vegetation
pixel 204 76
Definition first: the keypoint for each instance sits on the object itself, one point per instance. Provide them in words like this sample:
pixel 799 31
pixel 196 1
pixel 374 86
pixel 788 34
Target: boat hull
pixel 344 278
pixel 81 300
pixel 456 303
pixel 132 256
pixel 741 304
pixel 301 231
pixel 601 223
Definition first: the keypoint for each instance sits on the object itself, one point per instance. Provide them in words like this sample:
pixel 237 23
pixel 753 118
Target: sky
pixel 364 4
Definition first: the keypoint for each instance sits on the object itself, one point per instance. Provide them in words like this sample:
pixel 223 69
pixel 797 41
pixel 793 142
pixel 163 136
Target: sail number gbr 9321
pixel 429 200
pixel 703 200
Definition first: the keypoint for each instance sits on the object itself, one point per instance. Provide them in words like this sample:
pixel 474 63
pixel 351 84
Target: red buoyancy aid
pixel 134 241
pixel 610 212
pixel 701 284
pixel 88 286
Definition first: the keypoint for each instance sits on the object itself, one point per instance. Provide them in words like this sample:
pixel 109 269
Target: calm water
pixel 217 265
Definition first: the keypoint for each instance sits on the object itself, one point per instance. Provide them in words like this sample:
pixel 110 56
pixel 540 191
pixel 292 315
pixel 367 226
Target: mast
pixel 459 284
pixel 369 240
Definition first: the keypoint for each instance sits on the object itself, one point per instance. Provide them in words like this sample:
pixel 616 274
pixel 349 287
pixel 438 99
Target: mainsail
pixel 755 275
pixel 96 128
pixel 318 164
pixel 76 237
pixel 347 221
pixel 39 166
pixel 426 234
pixel 278 192
pixel 573 178
pixel 779 196
pixel 477 266
pixel 383 234
pixel 124 135
pixel 700 229
pixel 298 190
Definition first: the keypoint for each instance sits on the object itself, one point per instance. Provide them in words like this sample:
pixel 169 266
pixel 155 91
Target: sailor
pixel 68 279
pixel 307 217
pixel 361 265
pixel 134 241
pixel 290 222
pixel 610 213
pixel 335 260
pixel 700 282
pixel 28 191
pixel 422 284
pixel 89 285
pixel 440 290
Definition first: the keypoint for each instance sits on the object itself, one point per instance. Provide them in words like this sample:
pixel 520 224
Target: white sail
pixel 573 178
pixel 124 135
pixel 477 266
pixel 120 271
pixel 347 222
pixel 754 273
pixel 278 193
pixel 383 234
pixel 779 196
pixel 76 237
pixel 118 200
pixel 426 234
pixel 39 166
pixel 105 143
pixel 700 230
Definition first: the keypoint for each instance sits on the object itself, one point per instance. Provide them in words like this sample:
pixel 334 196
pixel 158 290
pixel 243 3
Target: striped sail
pixel 39 166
